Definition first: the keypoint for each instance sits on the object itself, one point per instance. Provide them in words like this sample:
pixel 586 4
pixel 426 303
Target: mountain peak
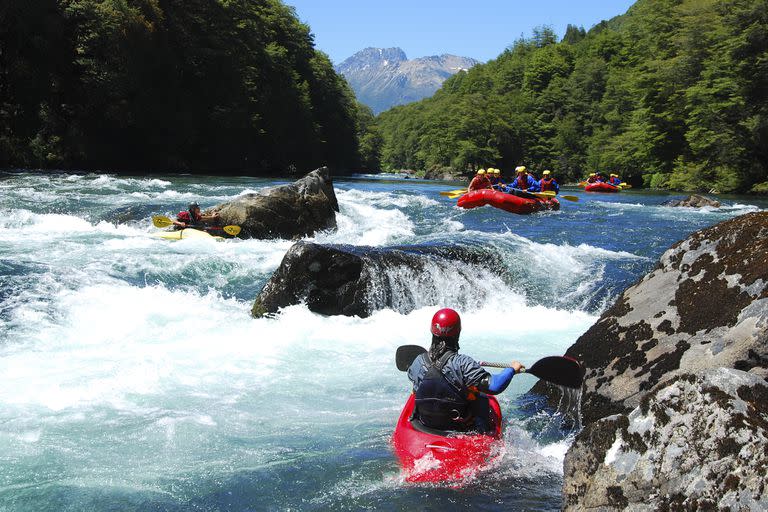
pixel 384 77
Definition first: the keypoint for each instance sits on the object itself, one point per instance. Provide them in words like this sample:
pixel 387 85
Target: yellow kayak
pixel 185 234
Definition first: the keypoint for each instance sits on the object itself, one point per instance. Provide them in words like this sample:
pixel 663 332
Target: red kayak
pixel 523 203
pixel 429 455
pixel 601 187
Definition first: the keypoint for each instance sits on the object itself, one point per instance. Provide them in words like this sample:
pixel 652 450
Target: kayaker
pixel 450 387
pixel 614 180
pixel 480 181
pixel 192 217
pixel 547 182
pixel 523 181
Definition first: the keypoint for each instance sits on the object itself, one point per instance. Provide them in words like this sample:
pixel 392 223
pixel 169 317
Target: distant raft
pixel 523 203
pixel 601 187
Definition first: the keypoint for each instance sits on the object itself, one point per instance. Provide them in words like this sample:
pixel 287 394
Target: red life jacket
pixel 479 183
pixel 546 184
pixel 186 217
pixel 521 182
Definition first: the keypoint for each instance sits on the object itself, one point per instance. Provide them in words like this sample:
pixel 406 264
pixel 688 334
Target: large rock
pixel 356 281
pixel 704 306
pixel 693 201
pixel 286 211
pixel 698 442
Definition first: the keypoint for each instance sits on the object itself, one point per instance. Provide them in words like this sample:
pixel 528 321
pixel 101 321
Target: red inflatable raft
pixel 429 455
pixel 523 203
pixel 601 187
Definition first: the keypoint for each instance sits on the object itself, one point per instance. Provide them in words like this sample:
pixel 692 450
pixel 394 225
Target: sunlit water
pixel 132 376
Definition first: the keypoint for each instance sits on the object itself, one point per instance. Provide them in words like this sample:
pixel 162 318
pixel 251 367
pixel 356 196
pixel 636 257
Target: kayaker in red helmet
pixel 449 386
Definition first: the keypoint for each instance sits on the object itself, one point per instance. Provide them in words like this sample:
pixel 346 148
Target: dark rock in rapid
pixel 286 211
pixel 349 280
pixel 693 201
pixel 704 306
pixel 697 442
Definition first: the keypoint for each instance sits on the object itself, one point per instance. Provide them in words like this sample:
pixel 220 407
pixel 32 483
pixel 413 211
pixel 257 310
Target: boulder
pixel 696 442
pixel 693 201
pixel 286 211
pixel 704 306
pixel 356 281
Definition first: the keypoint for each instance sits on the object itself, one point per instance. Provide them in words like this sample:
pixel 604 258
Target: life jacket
pixel 547 184
pixel 614 181
pixel 439 403
pixel 521 182
pixel 479 183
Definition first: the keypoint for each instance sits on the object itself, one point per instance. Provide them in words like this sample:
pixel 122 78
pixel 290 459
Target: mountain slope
pixel 384 77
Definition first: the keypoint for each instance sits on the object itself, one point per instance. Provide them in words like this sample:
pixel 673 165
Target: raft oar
pixel 161 221
pixel 560 370
pixel 453 192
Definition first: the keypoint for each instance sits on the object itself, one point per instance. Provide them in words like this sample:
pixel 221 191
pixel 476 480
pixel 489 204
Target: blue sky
pixel 480 29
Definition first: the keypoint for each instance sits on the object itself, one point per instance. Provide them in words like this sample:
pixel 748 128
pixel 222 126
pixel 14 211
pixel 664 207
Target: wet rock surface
pixel 286 211
pixel 693 201
pixel 356 281
pixel 696 442
pixel 704 306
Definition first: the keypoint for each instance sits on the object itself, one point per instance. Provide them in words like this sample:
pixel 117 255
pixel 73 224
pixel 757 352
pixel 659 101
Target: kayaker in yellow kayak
pixel 192 218
pixel 449 386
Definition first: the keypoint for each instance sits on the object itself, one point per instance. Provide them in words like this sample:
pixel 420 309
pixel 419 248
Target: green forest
pixel 673 94
pixel 159 85
pixel 670 95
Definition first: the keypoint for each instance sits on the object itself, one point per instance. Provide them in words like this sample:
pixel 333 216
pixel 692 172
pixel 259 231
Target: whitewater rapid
pixel 130 368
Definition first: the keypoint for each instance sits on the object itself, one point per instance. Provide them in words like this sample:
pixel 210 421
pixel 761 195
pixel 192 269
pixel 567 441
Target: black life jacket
pixel 440 404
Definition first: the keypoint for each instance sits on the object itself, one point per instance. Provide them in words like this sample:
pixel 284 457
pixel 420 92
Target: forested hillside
pixel 674 92
pixel 200 85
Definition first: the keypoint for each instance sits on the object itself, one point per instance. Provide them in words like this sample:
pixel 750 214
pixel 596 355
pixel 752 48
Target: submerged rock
pixel 693 201
pixel 697 442
pixel 705 305
pixel 286 211
pixel 350 280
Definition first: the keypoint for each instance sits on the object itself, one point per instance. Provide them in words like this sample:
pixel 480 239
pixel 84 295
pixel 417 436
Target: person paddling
pixel 547 182
pixel 592 178
pixel 523 181
pixel 614 180
pixel 480 181
pixel 192 218
pixel 450 387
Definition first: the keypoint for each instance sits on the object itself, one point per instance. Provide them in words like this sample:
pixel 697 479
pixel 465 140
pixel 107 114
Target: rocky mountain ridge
pixel 385 77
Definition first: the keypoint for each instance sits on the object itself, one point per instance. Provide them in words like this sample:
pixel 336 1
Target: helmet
pixel 592 174
pixel 545 173
pixel 520 168
pixel 481 171
pixel 497 171
pixel 193 204
pixel 616 175
pixel 446 324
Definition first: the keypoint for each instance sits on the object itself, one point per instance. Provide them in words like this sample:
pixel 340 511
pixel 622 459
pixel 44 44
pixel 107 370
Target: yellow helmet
pixel 481 171
pixel 496 171
pixel 614 175
pixel 546 173
pixel 592 174
pixel 520 168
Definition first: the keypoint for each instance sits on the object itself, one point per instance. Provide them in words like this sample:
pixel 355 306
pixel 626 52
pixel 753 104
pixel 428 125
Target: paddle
pixel 559 370
pixel 161 221
pixel 453 192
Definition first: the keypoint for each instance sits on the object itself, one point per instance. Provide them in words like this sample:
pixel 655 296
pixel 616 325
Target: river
pixel 132 376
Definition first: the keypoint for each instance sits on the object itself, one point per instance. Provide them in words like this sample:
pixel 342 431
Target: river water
pixel 132 376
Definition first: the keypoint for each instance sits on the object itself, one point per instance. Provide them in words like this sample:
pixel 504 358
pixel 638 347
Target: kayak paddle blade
pixel 232 230
pixel 562 371
pixel 161 221
pixel 406 355
pixel 575 199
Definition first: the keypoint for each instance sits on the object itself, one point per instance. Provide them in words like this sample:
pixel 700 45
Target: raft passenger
pixel 547 182
pixel 480 181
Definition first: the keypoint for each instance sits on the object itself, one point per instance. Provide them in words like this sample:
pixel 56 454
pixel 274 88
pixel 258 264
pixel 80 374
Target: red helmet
pixel 446 324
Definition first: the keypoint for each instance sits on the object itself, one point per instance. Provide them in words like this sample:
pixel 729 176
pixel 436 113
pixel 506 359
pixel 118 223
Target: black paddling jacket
pixel 444 389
